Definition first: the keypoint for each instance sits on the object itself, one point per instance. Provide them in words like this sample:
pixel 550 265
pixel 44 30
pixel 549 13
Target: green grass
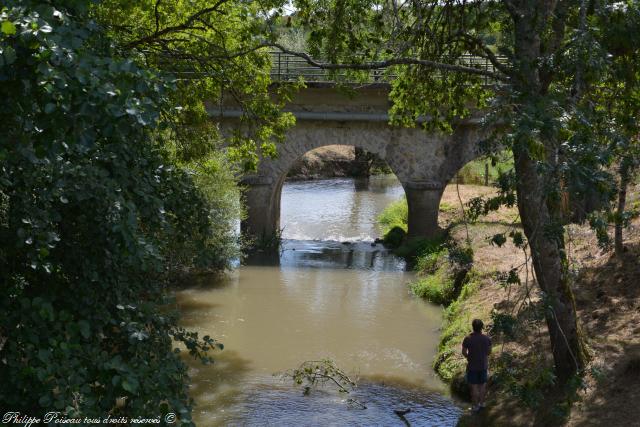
pixel 437 288
pixel 438 285
pixel 474 171
pixel 456 325
pixel 394 215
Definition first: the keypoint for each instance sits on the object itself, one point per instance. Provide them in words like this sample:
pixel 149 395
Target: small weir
pixel 331 293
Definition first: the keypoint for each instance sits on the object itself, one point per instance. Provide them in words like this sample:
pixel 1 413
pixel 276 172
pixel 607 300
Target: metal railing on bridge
pixel 288 68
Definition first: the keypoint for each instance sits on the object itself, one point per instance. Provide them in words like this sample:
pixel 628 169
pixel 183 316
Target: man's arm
pixel 465 349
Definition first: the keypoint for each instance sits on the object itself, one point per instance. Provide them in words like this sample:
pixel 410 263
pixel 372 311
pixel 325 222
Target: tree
pixel 618 92
pixel 531 92
pixel 91 210
pixel 215 51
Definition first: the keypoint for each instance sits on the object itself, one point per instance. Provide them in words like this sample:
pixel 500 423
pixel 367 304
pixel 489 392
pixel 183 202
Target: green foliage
pixel 437 288
pixel 395 237
pixel 481 206
pixel 394 215
pixel 216 182
pixel 93 217
pixel 528 383
pixel 503 324
pixel 444 267
pixel 211 50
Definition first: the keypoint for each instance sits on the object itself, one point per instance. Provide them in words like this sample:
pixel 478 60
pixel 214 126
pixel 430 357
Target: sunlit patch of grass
pixel 394 215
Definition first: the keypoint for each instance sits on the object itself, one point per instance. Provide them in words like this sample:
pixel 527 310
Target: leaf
pixel 9 55
pixel 85 330
pixel 44 401
pixel 498 239
pixel 130 384
pixel 49 108
pixel 8 28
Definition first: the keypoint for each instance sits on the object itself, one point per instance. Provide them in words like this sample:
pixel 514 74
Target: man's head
pixel 477 325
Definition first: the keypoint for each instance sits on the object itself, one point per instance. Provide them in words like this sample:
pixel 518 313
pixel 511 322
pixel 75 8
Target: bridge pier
pixel 423 201
pixel 262 203
pixel 423 162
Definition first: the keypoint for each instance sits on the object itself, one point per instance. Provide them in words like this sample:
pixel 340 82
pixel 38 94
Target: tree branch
pixel 187 24
pixel 157 15
pixel 390 62
pixel 478 43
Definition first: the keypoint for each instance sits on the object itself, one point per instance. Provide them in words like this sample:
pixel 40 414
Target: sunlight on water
pixel 319 299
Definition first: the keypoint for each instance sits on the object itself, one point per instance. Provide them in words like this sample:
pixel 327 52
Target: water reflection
pixel 336 209
pixel 318 299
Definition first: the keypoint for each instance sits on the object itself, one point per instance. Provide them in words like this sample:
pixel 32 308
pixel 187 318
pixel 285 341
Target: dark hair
pixel 477 325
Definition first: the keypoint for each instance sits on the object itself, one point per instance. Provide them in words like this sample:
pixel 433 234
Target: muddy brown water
pixel 320 297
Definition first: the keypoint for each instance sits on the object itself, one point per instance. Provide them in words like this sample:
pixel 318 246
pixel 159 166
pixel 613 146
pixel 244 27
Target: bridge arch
pixel 423 163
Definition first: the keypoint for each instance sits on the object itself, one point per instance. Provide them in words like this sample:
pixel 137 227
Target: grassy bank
pixel 521 370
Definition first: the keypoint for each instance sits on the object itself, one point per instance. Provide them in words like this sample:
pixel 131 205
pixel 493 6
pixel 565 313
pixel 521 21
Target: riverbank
pixel 337 161
pixel 331 161
pixel 608 303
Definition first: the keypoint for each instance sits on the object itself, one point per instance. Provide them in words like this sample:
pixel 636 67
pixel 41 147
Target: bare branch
pixel 488 54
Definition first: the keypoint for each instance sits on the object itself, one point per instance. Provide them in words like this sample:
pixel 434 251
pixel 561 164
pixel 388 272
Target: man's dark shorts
pixel 477 377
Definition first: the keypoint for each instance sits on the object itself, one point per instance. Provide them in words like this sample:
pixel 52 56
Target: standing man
pixel 476 348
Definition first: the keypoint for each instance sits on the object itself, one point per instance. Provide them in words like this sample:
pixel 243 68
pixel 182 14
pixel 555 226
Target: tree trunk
pixel 549 264
pixel 486 174
pixel 622 202
pixel 541 217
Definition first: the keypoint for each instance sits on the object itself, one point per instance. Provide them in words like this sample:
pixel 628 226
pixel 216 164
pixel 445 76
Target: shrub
pixel 92 211
pixel 394 237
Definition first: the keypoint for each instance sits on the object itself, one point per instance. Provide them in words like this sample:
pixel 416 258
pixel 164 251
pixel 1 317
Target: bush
pixel 444 267
pixel 438 285
pixel 394 237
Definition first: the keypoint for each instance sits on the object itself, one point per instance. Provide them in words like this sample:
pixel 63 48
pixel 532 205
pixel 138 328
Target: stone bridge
pixel 325 115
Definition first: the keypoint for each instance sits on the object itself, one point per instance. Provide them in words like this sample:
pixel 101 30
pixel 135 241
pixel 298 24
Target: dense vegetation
pixel 113 179
pixel 96 215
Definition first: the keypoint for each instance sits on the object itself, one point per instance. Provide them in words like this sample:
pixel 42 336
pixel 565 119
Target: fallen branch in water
pixel 314 373
pixel 401 413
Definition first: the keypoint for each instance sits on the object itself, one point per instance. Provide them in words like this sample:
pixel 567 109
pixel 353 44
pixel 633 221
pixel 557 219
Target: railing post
pixel 279 66
pixel 286 77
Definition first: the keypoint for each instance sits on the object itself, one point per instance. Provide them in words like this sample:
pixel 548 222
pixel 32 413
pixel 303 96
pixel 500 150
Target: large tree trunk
pixel 622 202
pixel 540 216
pixel 549 264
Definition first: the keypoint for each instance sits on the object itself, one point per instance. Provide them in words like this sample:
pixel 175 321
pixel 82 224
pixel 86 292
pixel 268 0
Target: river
pixel 330 293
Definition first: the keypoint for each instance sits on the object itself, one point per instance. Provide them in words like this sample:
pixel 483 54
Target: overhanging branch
pixel 389 63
